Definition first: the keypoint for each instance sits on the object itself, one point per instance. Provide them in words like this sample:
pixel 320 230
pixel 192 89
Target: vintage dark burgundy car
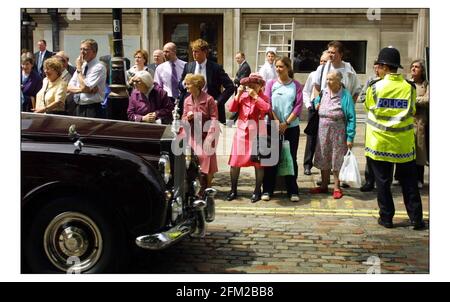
pixel 94 189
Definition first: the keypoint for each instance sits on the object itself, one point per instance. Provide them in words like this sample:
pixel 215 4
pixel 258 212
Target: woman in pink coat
pixel 200 109
pixel 252 105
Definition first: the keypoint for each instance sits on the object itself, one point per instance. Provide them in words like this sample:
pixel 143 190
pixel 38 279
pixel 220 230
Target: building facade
pixel 363 31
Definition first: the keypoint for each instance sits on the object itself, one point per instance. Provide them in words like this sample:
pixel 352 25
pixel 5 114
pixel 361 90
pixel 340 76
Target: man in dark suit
pixel 215 76
pixel 40 56
pixel 243 71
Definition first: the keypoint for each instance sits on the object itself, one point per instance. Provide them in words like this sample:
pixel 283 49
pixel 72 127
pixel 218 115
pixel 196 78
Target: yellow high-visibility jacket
pixel 390 103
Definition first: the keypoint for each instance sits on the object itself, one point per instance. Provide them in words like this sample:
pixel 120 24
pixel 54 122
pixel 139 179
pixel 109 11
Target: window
pixel 183 29
pixel 307 54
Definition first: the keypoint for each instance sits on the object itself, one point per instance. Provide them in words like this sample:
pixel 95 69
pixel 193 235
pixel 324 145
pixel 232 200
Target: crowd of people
pixel 267 103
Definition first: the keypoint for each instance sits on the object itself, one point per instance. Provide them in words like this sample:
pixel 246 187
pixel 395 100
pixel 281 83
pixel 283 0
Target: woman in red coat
pixel 252 105
pixel 199 109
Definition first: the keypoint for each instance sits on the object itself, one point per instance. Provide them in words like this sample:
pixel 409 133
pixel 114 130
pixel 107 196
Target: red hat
pixel 253 78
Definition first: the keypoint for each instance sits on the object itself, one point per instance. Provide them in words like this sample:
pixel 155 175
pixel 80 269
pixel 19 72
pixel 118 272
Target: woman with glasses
pixel 337 128
pixel 140 63
pixel 148 102
pixel 52 97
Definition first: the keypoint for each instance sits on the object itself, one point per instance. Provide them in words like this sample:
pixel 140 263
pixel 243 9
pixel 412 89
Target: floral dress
pixel 331 144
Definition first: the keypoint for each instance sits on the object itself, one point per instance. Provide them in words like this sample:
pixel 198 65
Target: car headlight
pixel 164 167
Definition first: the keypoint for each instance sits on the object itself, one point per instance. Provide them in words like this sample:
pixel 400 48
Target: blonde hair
pixel 195 79
pixel 54 64
pixel 200 44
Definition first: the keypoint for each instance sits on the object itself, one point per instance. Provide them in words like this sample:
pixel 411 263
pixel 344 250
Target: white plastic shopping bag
pixel 349 171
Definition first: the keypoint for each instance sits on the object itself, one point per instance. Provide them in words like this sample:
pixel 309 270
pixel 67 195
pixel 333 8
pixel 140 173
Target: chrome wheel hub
pixel 73 241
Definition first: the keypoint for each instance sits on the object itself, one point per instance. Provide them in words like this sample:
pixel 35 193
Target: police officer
pixel 390 102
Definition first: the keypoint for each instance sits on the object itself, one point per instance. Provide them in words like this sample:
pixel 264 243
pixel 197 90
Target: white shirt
pixel 349 78
pixel 202 71
pixel 95 76
pixel 268 72
pixel 308 90
pixel 163 74
pixel 41 58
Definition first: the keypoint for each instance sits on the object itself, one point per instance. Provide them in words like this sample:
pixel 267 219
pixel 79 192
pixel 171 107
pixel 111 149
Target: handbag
pixel 313 123
pixel 286 164
pixel 260 152
pixel 349 172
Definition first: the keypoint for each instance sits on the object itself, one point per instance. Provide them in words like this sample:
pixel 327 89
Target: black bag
pixel 256 158
pixel 313 123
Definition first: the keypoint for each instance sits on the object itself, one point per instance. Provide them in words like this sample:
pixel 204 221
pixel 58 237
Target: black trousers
pixel 270 173
pixel 407 173
pixel 368 173
pixel 91 110
pixel 310 148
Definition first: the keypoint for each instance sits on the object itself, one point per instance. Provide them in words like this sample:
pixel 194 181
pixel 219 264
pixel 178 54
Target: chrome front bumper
pixel 203 211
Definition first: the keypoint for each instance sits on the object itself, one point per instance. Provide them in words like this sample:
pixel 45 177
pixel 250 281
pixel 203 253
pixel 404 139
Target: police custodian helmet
pixel 389 56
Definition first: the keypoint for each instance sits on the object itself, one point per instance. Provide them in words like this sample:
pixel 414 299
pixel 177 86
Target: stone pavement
pixel 316 235
pixel 304 244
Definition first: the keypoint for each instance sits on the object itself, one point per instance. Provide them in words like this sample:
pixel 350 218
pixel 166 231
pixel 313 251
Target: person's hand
pixel 38 111
pixel 283 127
pixel 349 145
pixel 149 117
pixel 208 145
pixel 252 93
pixel 240 90
pixel 79 61
pixel 190 116
pixel 152 117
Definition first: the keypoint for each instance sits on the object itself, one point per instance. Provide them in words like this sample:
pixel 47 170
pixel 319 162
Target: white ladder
pixel 274 35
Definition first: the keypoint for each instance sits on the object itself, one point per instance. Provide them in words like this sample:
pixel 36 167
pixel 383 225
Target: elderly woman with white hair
pixel 337 128
pixel 148 101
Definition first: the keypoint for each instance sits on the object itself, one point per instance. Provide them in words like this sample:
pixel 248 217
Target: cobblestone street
pixel 316 235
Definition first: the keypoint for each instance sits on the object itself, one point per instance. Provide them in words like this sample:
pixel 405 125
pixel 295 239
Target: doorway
pixel 182 29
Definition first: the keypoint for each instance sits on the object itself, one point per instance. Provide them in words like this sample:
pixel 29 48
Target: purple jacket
pixel 157 102
pixel 32 84
pixel 299 100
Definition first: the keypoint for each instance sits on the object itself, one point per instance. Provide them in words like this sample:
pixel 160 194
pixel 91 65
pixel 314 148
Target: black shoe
pixel 307 171
pixel 367 187
pixel 255 197
pixel 386 224
pixel 345 185
pixel 232 195
pixel 417 226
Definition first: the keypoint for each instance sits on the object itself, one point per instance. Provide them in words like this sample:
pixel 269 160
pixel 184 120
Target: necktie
pixel 174 81
pixel 200 68
pixel 40 60
pixel 85 70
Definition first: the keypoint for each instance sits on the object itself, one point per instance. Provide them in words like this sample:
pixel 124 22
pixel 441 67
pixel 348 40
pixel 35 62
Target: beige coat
pixel 421 120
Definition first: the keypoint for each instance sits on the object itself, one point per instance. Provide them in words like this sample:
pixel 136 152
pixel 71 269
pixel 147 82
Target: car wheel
pixel 73 235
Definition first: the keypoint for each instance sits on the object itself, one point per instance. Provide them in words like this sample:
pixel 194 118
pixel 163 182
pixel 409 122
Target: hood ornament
pixel 75 137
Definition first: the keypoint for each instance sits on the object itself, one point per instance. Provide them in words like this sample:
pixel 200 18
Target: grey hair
pixel 337 73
